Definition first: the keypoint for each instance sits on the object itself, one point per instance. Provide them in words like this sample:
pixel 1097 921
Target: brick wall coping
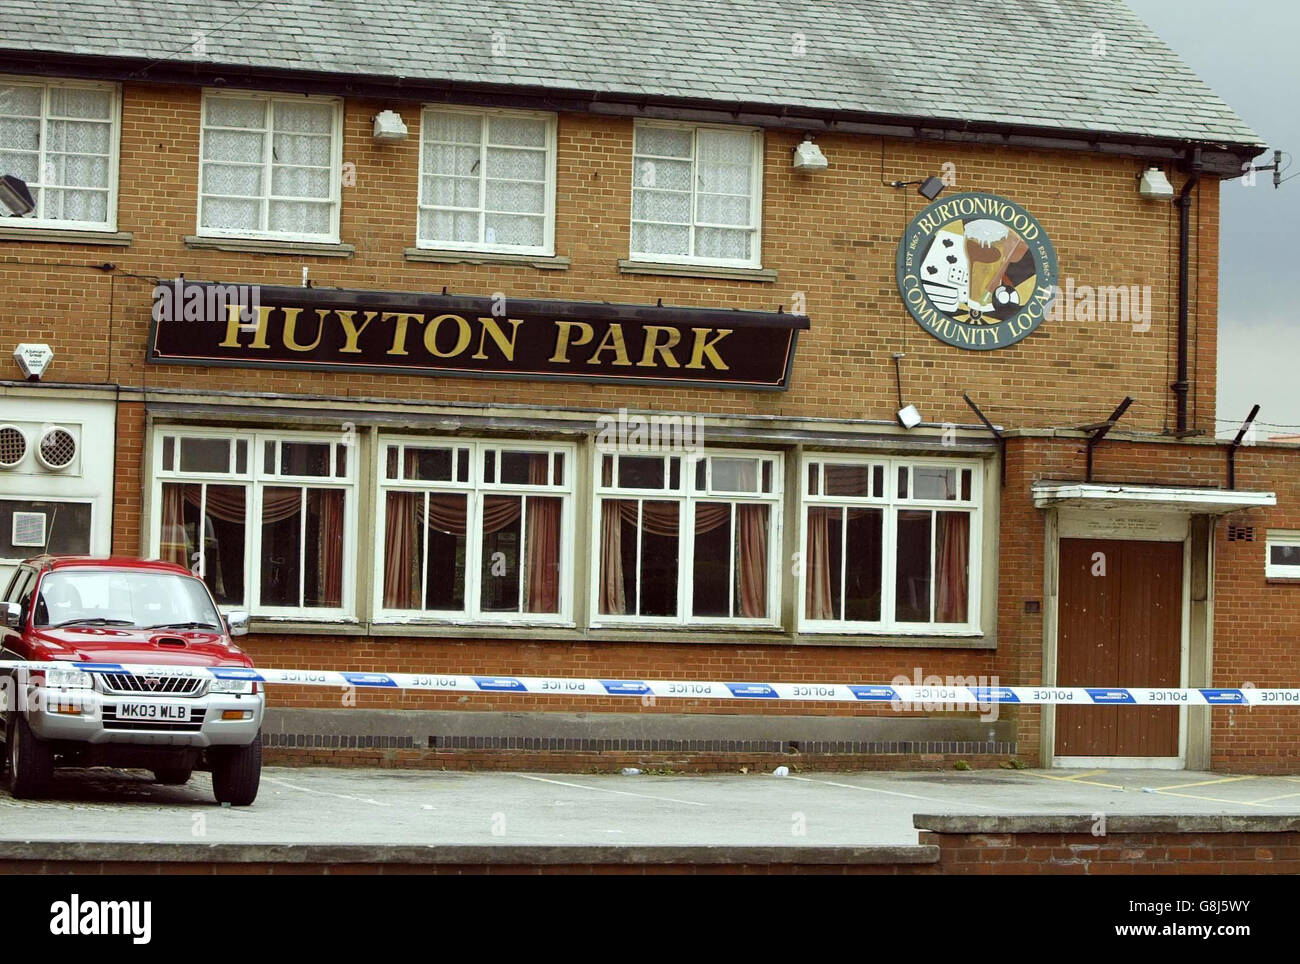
pixel 1118 823
pixel 467 854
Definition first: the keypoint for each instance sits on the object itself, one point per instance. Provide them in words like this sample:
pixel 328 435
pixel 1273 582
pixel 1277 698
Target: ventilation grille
pixel 28 529
pixel 57 448
pixel 1241 533
pixel 13 446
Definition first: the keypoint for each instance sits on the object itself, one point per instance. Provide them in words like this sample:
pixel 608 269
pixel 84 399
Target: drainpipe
pixel 1184 203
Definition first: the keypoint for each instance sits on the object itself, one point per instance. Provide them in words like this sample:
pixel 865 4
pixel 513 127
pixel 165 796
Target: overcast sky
pixel 1245 50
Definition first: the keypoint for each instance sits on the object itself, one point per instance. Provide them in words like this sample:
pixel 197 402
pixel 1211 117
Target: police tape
pixel 706 689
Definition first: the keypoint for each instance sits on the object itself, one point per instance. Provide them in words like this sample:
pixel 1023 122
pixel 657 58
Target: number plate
pixel 161 712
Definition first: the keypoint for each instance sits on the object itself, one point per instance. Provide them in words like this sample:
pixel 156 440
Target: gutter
pixel 1222 158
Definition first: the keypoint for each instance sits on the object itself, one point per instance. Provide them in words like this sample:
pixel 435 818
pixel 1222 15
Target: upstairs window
pixel 695 195
pixel 62 139
pixel 270 167
pixel 487 181
pixel 1283 554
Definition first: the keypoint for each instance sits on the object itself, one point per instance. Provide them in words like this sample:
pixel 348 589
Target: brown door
pixel 1119 624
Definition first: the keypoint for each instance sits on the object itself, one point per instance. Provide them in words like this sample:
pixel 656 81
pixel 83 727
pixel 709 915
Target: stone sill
pixel 439 256
pixel 266 246
pixel 1282 581
pixel 120 239
pixel 720 273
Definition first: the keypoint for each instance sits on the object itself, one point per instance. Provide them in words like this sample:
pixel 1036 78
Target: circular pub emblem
pixel 977 271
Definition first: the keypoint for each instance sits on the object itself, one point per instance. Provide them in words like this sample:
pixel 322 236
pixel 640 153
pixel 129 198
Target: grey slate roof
pixel 1022 62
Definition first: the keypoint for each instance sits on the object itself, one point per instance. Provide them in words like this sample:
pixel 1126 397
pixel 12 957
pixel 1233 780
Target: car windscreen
pixel 146 600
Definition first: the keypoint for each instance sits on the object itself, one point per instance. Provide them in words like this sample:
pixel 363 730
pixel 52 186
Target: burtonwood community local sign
pixel 202 323
pixel 977 271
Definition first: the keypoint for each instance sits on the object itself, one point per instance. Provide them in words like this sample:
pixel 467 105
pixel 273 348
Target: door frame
pixel 1135 525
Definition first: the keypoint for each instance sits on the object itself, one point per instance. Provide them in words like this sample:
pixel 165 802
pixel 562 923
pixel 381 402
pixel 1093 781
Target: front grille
pixel 192 725
pixel 131 684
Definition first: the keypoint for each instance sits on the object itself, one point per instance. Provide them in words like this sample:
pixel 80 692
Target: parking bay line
pixel 1077 779
pixel 899 793
pixel 326 793
pixel 623 793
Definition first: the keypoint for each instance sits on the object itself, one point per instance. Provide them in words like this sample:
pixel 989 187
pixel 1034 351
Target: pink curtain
pixel 751 558
pixel 612 598
pixel 818 601
pixel 542 562
pixel 401 550
pixel 331 546
pixel 952 566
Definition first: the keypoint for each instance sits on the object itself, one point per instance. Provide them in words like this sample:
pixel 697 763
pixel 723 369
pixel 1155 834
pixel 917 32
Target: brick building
pixel 578 340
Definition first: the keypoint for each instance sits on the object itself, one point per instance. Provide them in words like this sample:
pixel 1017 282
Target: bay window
pixel 61 137
pixel 889 545
pixel 270 166
pixel 265 520
pixel 696 195
pixel 474 530
pixel 487 181
pixel 687 538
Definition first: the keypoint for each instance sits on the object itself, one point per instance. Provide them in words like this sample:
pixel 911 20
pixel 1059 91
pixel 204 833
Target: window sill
pixel 1282 580
pixel 721 273
pixel 440 256
pixel 65 236
pixel 271 625
pixel 267 246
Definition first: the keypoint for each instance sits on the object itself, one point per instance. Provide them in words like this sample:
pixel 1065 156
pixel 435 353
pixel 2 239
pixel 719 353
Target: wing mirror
pixel 237 623
pixel 13 615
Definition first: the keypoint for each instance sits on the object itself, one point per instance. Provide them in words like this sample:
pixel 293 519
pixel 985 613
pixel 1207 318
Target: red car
pixel 86 617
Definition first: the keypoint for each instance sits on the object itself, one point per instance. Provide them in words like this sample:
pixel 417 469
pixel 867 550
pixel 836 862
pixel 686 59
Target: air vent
pixel 13 446
pixel 28 529
pixel 57 449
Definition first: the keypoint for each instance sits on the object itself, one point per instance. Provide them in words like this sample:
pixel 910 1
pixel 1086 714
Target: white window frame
pixel 1280 537
pixel 547 248
pixel 475 490
pixel 268 100
pixel 254 480
pixel 756 211
pixel 686 495
pixel 890 503
pixel 114 158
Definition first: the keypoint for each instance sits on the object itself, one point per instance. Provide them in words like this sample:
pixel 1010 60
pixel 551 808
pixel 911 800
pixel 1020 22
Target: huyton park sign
pixel 265 326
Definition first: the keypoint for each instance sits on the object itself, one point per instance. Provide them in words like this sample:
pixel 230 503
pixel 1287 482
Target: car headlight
pixel 68 678
pixel 230 686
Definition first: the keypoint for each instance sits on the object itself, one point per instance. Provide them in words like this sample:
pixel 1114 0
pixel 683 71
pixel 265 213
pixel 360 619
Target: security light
pixel 1154 186
pixel 909 417
pixel 15 196
pixel 389 126
pixel 929 188
pixel 809 157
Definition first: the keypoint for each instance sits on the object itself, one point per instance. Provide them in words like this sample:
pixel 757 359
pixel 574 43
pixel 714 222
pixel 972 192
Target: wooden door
pixel 1119 623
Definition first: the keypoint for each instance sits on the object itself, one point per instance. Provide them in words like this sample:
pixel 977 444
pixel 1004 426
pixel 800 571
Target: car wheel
pixel 31 763
pixel 173 776
pixel 236 772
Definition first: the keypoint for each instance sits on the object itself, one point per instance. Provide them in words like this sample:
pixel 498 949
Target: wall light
pixel 15 196
pixel 1154 186
pixel 929 188
pixel 809 157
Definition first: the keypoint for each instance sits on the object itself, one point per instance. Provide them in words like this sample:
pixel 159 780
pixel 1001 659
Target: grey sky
pixel 1246 52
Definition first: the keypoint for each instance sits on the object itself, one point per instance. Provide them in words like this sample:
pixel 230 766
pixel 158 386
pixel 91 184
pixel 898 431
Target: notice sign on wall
pixel 265 326
pixel 977 271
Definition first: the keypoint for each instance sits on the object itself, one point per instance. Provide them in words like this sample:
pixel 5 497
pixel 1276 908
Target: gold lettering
pixel 291 330
pixel 400 321
pixel 652 346
pixel 431 336
pixel 585 334
pixel 351 333
pixel 613 341
pixel 506 346
pixel 706 346
pixel 234 325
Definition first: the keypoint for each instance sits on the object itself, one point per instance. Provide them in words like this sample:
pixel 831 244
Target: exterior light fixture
pixel 808 156
pixel 907 415
pixel 929 188
pixel 33 359
pixel 389 126
pixel 15 196
pixel 1154 185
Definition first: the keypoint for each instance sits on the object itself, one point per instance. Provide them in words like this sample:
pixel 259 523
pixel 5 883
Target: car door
pixel 11 638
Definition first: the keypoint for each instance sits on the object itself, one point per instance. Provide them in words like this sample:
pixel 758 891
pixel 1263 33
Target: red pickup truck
pixel 89 618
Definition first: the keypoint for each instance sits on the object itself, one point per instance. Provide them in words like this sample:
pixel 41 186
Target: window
pixel 695 195
pixel 487 181
pixel 62 139
pixel 687 539
pixel 265 520
pixel 890 545
pixel 270 167
pixel 1282 559
pixel 474 530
